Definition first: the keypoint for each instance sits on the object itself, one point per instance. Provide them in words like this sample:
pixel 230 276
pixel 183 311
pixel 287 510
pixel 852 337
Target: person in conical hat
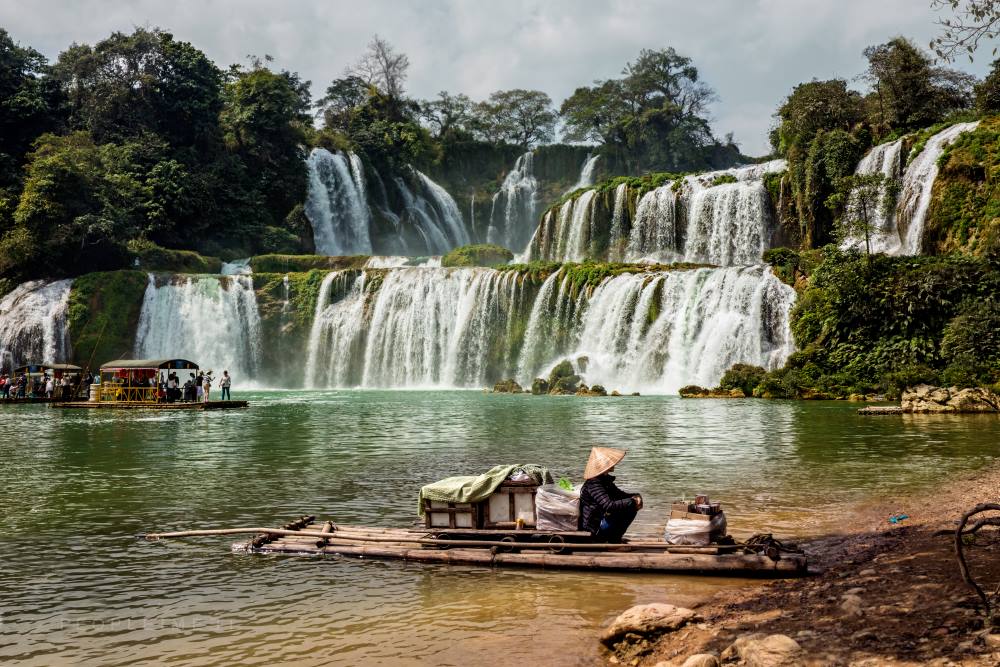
pixel 605 510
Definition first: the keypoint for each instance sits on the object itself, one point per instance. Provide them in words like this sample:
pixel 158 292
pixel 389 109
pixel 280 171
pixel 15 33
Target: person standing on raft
pixel 605 510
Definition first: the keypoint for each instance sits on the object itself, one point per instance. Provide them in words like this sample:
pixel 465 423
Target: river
pixel 76 486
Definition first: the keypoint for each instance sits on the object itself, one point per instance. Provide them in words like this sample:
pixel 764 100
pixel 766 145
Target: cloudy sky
pixel 751 51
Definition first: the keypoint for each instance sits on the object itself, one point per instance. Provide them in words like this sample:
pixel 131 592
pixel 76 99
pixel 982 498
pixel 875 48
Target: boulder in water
pixel 508 386
pixel 927 399
pixel 540 386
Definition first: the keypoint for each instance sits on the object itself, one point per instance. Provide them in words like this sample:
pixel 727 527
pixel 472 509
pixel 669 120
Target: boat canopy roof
pixel 182 364
pixel 41 368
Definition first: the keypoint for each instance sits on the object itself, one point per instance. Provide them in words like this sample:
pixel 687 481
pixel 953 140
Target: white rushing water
pixel 210 320
pixel 512 216
pixel 918 180
pixel 426 219
pixel 586 173
pixel 237 267
pixel 695 220
pixel 901 232
pixel 652 332
pixel 885 159
pixel 336 204
pixel 33 327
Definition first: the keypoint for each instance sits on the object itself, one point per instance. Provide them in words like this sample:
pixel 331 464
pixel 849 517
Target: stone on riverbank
pixel 756 650
pixel 927 399
pixel 633 631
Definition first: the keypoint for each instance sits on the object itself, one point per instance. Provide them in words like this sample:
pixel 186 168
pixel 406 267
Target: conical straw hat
pixel 602 459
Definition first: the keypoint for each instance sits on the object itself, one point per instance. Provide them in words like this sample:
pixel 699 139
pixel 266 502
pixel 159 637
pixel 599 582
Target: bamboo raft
pixel 507 548
pixel 148 405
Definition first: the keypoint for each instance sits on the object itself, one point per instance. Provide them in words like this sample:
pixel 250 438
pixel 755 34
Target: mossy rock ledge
pixel 482 254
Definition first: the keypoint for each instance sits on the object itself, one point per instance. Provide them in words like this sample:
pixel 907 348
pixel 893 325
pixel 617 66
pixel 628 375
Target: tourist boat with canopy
pixel 141 383
pixel 38 372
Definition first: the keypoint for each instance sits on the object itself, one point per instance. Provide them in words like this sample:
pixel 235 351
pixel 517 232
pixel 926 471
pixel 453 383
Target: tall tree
pixel 383 67
pixel 29 104
pixel 264 120
pixel 447 113
pixel 145 82
pixel 909 91
pixel 519 117
pixel 654 117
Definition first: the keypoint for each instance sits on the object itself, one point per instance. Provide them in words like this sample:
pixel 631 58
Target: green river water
pixel 76 485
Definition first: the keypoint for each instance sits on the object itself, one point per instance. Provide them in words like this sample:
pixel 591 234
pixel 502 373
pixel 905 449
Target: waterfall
pixel 33 326
pixel 512 216
pixel 918 180
pixel 615 237
pixel 586 173
pixel 654 231
pixel 413 327
pixel 336 204
pixel 211 320
pixel 338 209
pixel 652 331
pixel 434 215
pixel 729 224
pixel 237 267
pixel 658 332
pixel 883 159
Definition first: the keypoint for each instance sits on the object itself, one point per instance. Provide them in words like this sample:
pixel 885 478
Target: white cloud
pixel 751 52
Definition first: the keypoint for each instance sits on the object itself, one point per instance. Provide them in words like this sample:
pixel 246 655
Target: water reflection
pixel 76 485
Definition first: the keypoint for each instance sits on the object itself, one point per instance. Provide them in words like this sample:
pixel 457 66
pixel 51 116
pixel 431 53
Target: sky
pixel 752 52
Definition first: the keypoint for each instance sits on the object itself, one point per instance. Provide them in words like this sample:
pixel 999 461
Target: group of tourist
pixel 38 386
pixel 195 388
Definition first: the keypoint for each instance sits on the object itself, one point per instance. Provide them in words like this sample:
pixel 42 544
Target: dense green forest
pixel 139 144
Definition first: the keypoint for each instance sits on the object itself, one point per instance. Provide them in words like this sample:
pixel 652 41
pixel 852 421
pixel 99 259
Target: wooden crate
pixel 439 514
pixel 510 502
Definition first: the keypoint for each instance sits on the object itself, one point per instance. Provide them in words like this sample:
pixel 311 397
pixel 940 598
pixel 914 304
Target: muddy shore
pixel 888 594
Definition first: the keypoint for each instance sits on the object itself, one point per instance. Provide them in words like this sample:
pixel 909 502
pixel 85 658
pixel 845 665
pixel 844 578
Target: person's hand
pixel 638 501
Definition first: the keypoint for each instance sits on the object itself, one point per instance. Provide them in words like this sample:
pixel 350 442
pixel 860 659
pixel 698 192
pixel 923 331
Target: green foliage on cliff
pixel 477 255
pixel 875 326
pixel 302 263
pixel 287 304
pixel 148 256
pixel 103 313
pixel 964 213
pixel 824 127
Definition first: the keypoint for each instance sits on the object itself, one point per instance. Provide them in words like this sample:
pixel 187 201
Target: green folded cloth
pixel 473 488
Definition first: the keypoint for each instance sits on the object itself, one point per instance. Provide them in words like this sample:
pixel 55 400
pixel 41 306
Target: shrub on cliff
pixel 477 255
pixel 743 376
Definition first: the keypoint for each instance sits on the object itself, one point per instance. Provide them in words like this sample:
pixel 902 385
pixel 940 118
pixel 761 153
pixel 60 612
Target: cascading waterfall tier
pixel 33 325
pixel 586 178
pixel 902 232
pixel 413 327
pixel 419 217
pixel 336 203
pixel 697 219
pixel 651 331
pixel 211 320
pixel 512 216
pixel 885 159
pixel 918 181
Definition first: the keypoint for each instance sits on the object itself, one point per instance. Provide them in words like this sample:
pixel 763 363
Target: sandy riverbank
pixel 889 594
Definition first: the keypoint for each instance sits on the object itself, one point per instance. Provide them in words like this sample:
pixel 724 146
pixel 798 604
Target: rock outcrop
pixel 509 386
pixel 632 634
pixel 927 399
pixel 759 651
